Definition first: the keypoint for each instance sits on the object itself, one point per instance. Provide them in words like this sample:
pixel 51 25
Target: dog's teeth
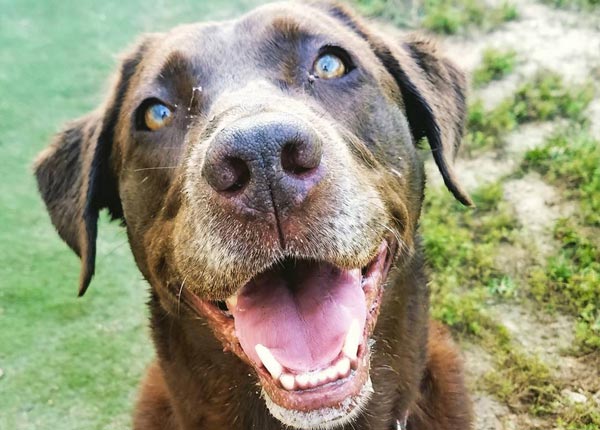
pixel 288 381
pixel 270 362
pixel 331 373
pixel 322 377
pixel 350 348
pixel 303 380
pixel 313 380
pixel 343 367
pixel 231 301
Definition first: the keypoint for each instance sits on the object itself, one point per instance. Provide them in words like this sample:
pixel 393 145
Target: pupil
pixel 327 64
pixel 161 112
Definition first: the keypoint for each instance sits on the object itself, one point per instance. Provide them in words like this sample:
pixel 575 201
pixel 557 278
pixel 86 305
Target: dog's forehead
pixel 241 46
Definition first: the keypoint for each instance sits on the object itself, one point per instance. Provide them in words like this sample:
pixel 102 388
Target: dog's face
pixel 267 173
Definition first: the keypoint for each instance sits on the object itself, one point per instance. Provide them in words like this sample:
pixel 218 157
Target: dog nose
pixel 264 161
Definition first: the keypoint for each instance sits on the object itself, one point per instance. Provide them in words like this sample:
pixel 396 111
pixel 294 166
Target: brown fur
pixel 187 240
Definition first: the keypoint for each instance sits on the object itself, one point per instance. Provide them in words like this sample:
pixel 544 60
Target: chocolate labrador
pixel 268 175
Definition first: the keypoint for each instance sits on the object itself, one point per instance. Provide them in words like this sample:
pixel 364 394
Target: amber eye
pixel 329 66
pixel 157 116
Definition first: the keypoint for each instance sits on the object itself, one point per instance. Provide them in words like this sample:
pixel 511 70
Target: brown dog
pixel 267 173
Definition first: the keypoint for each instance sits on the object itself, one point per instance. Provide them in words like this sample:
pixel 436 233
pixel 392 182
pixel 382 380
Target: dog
pixel 268 175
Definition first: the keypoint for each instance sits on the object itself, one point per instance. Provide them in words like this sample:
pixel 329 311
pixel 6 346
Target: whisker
pixel 152 168
pixel 179 296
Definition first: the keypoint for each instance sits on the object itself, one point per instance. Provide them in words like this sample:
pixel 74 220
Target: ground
pixel 517 278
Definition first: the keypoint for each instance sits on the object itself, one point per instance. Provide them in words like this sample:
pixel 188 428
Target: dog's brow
pixel 176 64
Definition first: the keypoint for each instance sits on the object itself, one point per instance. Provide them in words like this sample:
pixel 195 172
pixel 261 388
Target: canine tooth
pixel 270 362
pixel 343 367
pixel 350 348
pixel 288 381
pixel 313 380
pixel 231 301
pixel 303 380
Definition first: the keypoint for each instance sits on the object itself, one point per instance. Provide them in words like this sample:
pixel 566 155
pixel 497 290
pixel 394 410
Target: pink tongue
pixel 301 313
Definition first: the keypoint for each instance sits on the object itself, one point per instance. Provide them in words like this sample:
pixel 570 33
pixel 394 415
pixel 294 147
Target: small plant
pixel 502 287
pixel 546 97
pixel 460 245
pixel 571 282
pixel 522 382
pixel 542 98
pixel 571 159
pixel 440 16
pixel 574 4
pixel 496 64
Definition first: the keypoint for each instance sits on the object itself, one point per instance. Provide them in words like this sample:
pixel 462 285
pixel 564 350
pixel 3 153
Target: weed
pixel 542 98
pixel 460 246
pixel 522 381
pixel 455 16
pixel 580 416
pixel 574 4
pixel 571 282
pixel 440 16
pixel 546 97
pixel 570 159
pixel 495 65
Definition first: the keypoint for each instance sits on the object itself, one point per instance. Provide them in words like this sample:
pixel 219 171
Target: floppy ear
pixel 75 176
pixel 433 91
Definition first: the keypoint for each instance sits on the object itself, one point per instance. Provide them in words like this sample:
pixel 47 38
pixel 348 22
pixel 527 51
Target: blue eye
pixel 158 116
pixel 329 66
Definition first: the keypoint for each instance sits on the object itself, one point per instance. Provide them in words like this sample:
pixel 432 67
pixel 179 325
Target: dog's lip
pixel 328 395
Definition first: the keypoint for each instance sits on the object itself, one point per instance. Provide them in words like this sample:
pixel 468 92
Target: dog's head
pixel 267 172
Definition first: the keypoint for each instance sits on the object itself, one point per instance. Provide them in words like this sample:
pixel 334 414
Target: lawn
pixel 67 363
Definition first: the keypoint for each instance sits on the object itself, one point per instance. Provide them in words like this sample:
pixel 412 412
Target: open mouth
pixel 304 326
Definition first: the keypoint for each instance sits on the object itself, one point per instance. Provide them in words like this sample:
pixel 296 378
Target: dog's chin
pixel 322 418
pixel 304 326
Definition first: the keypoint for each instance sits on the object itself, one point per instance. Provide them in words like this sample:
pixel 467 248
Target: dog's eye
pixel 157 116
pixel 329 66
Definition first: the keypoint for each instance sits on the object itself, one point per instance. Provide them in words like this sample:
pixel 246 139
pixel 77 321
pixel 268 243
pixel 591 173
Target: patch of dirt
pixel 537 206
pixel 489 413
pixel 545 38
pixel 567 42
pixel 540 334
pixel 514 260
pixel 594 113
pixel 527 137
pixel 477 360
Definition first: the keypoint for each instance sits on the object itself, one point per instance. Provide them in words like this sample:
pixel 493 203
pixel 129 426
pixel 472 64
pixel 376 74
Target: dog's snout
pixel 265 155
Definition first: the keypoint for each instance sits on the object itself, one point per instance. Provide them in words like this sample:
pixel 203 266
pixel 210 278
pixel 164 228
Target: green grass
pixel 574 4
pixel 67 363
pixel 570 282
pixel 543 97
pixel 399 12
pixel 570 159
pixel 456 16
pixel 440 16
pixel 495 65
pixel 460 246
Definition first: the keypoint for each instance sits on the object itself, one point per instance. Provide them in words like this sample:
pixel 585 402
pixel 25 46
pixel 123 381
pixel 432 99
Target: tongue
pixel 301 312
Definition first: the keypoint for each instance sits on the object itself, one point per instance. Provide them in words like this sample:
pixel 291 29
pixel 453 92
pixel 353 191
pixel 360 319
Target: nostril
pixel 240 174
pixel 299 157
pixel 229 176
